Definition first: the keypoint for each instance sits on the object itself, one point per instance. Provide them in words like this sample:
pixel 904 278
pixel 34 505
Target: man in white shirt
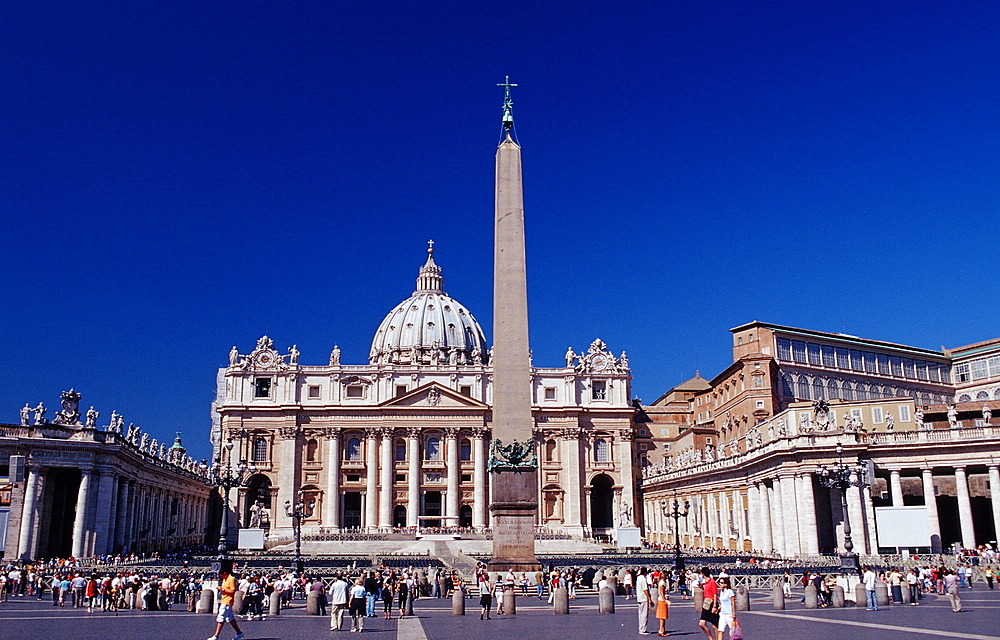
pixel 643 598
pixel 869 578
pixel 338 602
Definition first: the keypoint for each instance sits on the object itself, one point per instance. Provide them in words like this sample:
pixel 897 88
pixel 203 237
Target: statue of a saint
pixel 293 355
pixel 477 355
pixel 26 415
pixel 625 515
pixel 255 514
pixel 453 356
pixel 623 362
pixel 489 358
pixel 987 414
pixel 92 417
pixel 918 419
pixel 144 442
pixel 335 356
pixel 952 416
pixel 39 413
pixel 890 422
pixel 570 358
pixel 234 356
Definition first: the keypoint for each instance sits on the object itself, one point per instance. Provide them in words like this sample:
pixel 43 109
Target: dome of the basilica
pixel 429 327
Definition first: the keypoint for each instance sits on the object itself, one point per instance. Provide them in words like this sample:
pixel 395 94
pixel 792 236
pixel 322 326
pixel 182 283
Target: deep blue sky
pixel 179 177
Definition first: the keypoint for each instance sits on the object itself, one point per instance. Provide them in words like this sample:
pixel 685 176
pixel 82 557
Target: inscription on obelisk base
pixel 513 463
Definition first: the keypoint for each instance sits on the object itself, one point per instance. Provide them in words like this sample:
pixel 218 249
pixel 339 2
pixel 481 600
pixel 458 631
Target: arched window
pixel 786 386
pixel 862 391
pixel 550 450
pixel 433 448
pixel 353 449
pixel 832 390
pixel 996 393
pixel 601 453
pixel 848 393
pixel 965 398
pixel 465 450
pixel 818 391
pixel 312 447
pixel 260 450
pixel 982 395
pixel 803 388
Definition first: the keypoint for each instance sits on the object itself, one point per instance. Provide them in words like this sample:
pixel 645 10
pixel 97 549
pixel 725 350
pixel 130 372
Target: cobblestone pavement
pixel 27 617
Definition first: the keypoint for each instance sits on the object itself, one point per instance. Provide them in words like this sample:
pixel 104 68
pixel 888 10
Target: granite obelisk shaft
pixel 515 491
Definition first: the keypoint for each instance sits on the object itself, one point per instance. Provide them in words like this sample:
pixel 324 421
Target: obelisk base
pixel 513 509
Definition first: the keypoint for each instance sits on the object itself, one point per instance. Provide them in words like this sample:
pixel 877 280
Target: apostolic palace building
pixel 402 441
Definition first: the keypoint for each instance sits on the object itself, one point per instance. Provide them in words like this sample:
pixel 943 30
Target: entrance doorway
pixel 602 500
pixel 465 516
pixel 352 510
pixel 432 508
pixel 399 516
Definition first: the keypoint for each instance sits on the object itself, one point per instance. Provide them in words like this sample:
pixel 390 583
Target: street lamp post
pixel 225 478
pixel 676 514
pixel 839 476
pixel 297 511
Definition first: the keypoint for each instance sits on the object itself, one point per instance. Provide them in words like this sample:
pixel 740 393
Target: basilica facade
pixel 404 440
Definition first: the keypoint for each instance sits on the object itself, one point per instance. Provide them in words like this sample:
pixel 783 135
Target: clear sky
pixel 180 177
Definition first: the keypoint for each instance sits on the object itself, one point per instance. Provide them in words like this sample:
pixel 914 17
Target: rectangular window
pixel 857 414
pixel 829 357
pixel 962 372
pixel 760 404
pixel 933 372
pixel 262 388
pixel 909 368
pixel 799 351
pixel 600 390
pixel 708 441
pixel 814 353
pixel 843 358
pixel 465 390
pixel 856 361
pixel 979 369
pixel 400 477
pixel 922 370
pixel 400 451
pixel 870 366
pixel 355 391
pixel 876 415
pixel 466 477
pixel 897 366
pixel 883 365
pixel 400 390
pixel 550 393
pixel 314 391
pixel 904 413
pixel 994 365
pixel 945 372
pixel 784 349
pixel 353 477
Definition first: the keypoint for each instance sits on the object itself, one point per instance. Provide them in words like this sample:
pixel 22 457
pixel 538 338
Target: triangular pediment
pixel 434 396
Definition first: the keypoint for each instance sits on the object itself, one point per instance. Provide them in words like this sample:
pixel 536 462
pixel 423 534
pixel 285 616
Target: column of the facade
pixel 896 488
pixel 387 493
pixel 331 501
pixel 570 458
pixel 371 478
pixel 930 502
pixel 778 523
pixel 25 540
pixel 454 473
pixel 479 478
pixel 102 515
pixel 121 514
pixel 964 508
pixel 995 496
pixel 808 528
pixel 288 490
pixel 627 482
pixel 766 541
pixel 412 477
pixel 82 513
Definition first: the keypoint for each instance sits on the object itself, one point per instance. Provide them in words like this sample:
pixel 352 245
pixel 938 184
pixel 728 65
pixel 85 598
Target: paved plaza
pixel 28 617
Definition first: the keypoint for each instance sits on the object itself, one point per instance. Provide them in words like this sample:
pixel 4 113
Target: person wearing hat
pixel 227 591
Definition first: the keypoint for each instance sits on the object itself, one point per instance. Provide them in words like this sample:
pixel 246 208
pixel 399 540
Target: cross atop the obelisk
pixel 508 116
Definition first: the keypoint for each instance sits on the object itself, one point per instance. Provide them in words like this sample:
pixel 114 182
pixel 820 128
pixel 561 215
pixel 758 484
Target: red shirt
pixel 711 590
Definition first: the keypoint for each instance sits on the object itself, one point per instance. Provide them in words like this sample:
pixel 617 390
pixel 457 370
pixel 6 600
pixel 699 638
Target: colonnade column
pixel 82 512
pixel 778 523
pixel 964 508
pixel 930 502
pixel 387 493
pixel 570 456
pixel 371 481
pixel 479 478
pixel 412 477
pixel 331 508
pixel 766 541
pixel 896 488
pixel 753 504
pixel 790 515
pixel 102 520
pixel 995 496
pixel 25 546
pixel 454 472
pixel 808 529
pixel 121 514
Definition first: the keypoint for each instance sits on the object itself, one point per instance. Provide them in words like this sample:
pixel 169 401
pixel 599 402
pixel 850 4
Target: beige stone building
pixel 403 440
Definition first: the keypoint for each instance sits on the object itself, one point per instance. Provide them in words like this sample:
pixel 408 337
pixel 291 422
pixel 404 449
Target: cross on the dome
pixel 430 246
pixel 507 85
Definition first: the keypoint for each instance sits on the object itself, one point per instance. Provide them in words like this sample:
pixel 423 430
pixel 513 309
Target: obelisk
pixel 514 477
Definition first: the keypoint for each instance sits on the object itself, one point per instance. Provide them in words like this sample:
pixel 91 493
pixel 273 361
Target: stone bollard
pixel 613 583
pixel 409 604
pixel 509 602
pixel 882 594
pixel 312 602
pixel 810 597
pixel 860 595
pixel 274 604
pixel 905 589
pixel 207 602
pixel 778 597
pixel 606 601
pixel 458 602
pixel 699 597
pixel 742 598
pixel 838 598
pixel 237 602
pixel 560 601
